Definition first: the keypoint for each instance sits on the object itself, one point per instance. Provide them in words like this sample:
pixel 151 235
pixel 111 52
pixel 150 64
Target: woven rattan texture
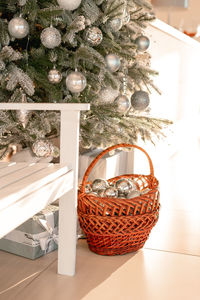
pixel 118 226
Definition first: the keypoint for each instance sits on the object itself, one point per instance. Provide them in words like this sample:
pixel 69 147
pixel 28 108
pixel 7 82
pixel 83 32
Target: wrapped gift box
pixel 107 167
pixel 36 237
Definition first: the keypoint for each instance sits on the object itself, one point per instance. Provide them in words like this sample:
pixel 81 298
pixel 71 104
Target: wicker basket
pixel 115 225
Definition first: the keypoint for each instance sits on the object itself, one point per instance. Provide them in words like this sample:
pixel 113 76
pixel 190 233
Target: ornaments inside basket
pixel 123 188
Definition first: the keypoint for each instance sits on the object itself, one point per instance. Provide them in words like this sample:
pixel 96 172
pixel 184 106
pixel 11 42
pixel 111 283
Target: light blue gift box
pixel 36 237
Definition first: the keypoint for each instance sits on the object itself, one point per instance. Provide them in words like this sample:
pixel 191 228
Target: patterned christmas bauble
pixel 54 76
pixel 123 103
pixel 18 27
pixel 113 62
pixel 50 37
pixel 133 194
pixel 115 24
pixel 99 184
pixel 142 43
pixel 93 35
pixel 123 185
pixel 140 100
pixel 76 82
pixel 69 4
pixel 111 192
pixel 42 148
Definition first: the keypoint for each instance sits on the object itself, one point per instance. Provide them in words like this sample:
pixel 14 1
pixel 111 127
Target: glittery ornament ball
pixel 50 37
pixel 122 103
pixel 54 76
pixel 94 36
pixel 108 95
pixel 142 43
pixel 113 62
pixel 140 100
pixel 69 4
pixel 115 24
pixel 42 148
pixel 18 27
pixel 76 82
pixel 99 184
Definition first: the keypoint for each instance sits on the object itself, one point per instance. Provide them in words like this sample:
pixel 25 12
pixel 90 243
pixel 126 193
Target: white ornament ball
pixel 123 103
pixel 42 148
pixel 76 82
pixel 115 24
pixel 54 76
pixel 69 4
pixel 99 184
pixel 108 95
pixel 18 28
pixel 113 62
pixel 50 37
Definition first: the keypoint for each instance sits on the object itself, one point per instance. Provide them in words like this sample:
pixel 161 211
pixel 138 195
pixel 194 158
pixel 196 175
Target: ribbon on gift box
pixel 49 226
pixel 45 239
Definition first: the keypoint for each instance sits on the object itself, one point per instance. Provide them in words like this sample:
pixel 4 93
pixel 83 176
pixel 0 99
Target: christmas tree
pixel 73 51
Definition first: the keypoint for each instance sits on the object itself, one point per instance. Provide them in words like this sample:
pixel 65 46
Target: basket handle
pixel 94 162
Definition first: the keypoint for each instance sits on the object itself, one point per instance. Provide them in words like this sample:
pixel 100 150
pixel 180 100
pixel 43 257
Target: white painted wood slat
pixel 45 106
pixel 20 188
pixel 23 209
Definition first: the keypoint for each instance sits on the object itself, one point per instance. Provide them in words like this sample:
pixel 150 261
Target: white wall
pixel 177 58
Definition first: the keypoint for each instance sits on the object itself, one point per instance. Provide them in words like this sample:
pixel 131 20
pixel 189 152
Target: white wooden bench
pixel 26 188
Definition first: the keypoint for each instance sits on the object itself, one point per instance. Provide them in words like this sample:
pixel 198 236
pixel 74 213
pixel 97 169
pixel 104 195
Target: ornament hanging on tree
pixel 140 100
pixel 69 4
pixel 113 62
pixel 18 27
pixel 50 37
pixel 123 103
pixel 94 36
pixel 76 82
pixel 142 43
pixel 115 24
pixel 43 148
pixel 126 18
pixel 54 76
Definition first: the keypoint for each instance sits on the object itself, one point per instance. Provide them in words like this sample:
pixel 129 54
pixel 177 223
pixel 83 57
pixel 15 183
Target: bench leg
pixel 67 234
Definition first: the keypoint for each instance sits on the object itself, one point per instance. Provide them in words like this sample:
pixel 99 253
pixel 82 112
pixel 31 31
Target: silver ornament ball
pixel 133 194
pixel 111 192
pixel 54 76
pixel 113 62
pixel 94 36
pixel 122 103
pixel 140 100
pixel 123 185
pixel 42 148
pixel 115 24
pixel 69 4
pixel 142 43
pixel 99 184
pixel 76 82
pixel 50 37
pixel 18 27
